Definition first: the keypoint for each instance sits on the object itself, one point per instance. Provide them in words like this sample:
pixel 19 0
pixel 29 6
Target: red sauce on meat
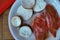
pixel 40 27
pixel 48 20
pixel 53 18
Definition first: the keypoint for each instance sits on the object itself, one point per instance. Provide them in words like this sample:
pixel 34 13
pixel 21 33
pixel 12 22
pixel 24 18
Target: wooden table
pixel 4 29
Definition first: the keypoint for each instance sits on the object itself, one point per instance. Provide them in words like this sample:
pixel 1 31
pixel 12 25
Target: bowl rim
pixel 9 20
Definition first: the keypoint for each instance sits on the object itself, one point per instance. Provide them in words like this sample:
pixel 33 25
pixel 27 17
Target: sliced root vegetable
pixel 16 21
pixel 25 31
pixel 25 13
pixel 28 3
pixel 40 5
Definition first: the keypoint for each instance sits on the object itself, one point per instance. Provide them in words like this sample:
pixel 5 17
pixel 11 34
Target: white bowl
pixel 12 12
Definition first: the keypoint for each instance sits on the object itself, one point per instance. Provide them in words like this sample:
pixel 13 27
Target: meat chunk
pixel 52 19
pixel 40 27
pixel 47 20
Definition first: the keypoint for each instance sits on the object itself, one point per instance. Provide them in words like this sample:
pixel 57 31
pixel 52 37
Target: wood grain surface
pixel 4 29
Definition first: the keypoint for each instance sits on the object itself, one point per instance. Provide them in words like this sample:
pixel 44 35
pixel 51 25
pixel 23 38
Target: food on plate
pixel 25 13
pixel 25 31
pixel 16 21
pixel 40 5
pixel 46 21
pixel 52 19
pixel 58 23
pixel 40 27
pixel 28 3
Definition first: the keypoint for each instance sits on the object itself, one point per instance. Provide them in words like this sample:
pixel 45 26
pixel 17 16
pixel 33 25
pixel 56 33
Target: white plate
pixel 14 31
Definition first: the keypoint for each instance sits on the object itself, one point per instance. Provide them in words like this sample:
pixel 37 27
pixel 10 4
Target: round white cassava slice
pixel 40 5
pixel 28 3
pixel 16 21
pixel 25 31
pixel 25 13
